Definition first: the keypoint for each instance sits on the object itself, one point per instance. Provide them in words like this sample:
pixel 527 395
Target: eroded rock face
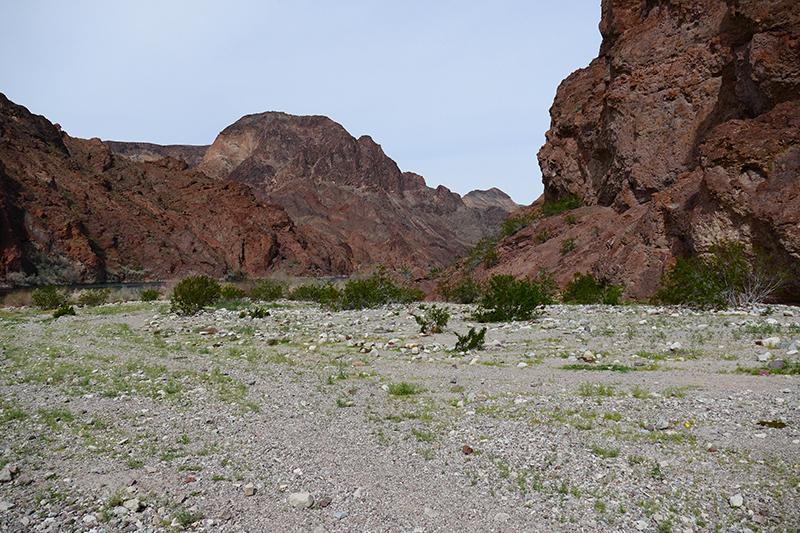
pixel 348 190
pixel 682 133
pixel 74 212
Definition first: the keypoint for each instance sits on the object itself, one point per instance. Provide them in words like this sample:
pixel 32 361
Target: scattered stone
pixel 324 502
pixel 133 505
pixel 640 525
pixel 430 513
pixel 588 356
pixel 5 506
pixel 736 501
pixel 340 515
pixel 359 493
pixel 764 357
pixel 501 517
pixel 466 449
pixel 301 500
pixel 662 424
pixel 675 346
pixel 24 479
pixel 776 365
pixel 5 475
pixel 453 380
pixel 249 490
pixel 522 364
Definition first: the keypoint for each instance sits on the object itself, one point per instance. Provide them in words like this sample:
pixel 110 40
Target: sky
pixel 457 91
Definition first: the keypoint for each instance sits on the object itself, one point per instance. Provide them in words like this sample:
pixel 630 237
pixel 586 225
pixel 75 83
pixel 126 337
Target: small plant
pixel 64 310
pixel 434 320
pixel 461 290
pixel 186 517
pixel 513 224
pixel 405 389
pixel 94 297
pixel 606 453
pixel 484 251
pixel 727 276
pixel 565 203
pixel 192 294
pixel 422 435
pixel 256 312
pixel 48 297
pixel 543 236
pixel 595 389
pixel 377 290
pixel 567 245
pixel 586 290
pixel 473 340
pixel 231 292
pixel 149 295
pixel 570 219
pixel 267 290
pixel 327 295
pixel 507 298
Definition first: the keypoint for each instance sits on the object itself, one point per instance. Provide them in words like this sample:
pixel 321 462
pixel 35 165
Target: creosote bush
pixel 194 293
pixel 48 297
pixel 565 203
pixel 377 290
pixel 149 295
pixel 64 310
pixel 586 290
pixel 231 292
pixel 473 340
pixel 267 290
pixel 327 294
pixel 434 320
pixel 726 277
pixel 508 298
pixel 459 289
pixel 94 297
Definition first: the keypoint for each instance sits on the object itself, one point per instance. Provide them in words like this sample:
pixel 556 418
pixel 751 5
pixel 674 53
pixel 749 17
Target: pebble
pixel 764 357
pixel 340 515
pixel 430 513
pixel 736 501
pixel 5 475
pixel 5 506
pixel 301 500
pixel 501 517
pixel 249 490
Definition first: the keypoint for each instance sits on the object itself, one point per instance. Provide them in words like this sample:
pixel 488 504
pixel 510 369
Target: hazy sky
pixel 458 91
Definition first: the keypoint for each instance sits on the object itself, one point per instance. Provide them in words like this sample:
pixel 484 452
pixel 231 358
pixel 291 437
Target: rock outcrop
pixel 684 132
pixel 349 190
pixel 72 211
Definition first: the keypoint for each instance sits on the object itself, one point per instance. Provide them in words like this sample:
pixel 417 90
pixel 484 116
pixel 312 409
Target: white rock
pixel 770 342
pixel 301 500
pixel 430 513
pixel 133 504
pixel 764 357
pixel 522 364
pixel 5 506
pixel 736 501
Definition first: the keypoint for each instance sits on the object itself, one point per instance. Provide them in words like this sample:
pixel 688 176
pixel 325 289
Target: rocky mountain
pixel 684 132
pixel 72 211
pixel 349 190
pixel 274 193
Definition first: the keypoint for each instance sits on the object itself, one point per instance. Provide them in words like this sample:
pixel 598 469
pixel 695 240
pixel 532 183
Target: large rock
pixel 684 132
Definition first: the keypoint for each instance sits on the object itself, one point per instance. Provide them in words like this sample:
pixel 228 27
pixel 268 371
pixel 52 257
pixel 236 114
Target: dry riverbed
pixel 129 418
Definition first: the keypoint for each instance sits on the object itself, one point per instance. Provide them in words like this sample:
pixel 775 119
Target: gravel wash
pixel 127 418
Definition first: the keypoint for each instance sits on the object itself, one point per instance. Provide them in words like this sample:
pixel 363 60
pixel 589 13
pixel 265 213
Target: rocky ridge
pixel 684 132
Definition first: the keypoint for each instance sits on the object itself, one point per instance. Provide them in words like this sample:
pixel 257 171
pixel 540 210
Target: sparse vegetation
pixel 473 340
pixel 405 389
pixel 434 319
pixel 584 289
pixel 194 293
pixel 49 297
pixel 93 297
pixel 149 295
pixel 327 294
pixel 459 289
pixel 507 298
pixel 567 245
pixel 267 290
pixel 230 291
pixel 377 290
pixel 565 203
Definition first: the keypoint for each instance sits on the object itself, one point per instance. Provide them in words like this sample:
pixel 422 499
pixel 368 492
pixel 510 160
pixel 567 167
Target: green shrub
pixel 585 290
pixel 462 290
pixel 434 320
pixel 64 310
pixel 726 277
pixel 327 295
pixel 507 298
pixel 484 251
pixel 94 297
pixel 511 225
pixel 567 245
pixel 565 203
pixel 377 290
pixel 570 219
pixel 192 294
pixel 256 312
pixel 267 290
pixel 471 341
pixel 149 295
pixel 405 389
pixel 48 297
pixel 231 292
pixel 543 236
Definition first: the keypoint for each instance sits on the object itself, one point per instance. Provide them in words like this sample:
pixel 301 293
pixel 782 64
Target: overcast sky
pixel 457 91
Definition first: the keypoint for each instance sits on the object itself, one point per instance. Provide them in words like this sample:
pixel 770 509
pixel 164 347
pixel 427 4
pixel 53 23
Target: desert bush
pixel 434 320
pixel 192 294
pixel 484 251
pixel 230 291
pixel 93 297
pixel 586 290
pixel 543 236
pixel 565 203
pixel 567 245
pixel 377 290
pixel 473 340
pixel 726 277
pixel 459 289
pixel 149 295
pixel 327 294
pixel 511 225
pixel 508 298
pixel 267 290
pixel 64 310
pixel 48 297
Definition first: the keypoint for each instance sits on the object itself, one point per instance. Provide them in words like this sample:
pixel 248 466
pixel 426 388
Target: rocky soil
pixel 129 418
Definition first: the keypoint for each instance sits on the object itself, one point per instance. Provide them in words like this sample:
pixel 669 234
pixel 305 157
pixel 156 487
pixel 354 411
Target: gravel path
pixel 128 418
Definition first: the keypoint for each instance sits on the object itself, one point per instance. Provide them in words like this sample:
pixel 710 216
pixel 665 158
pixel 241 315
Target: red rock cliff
pixel 683 132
